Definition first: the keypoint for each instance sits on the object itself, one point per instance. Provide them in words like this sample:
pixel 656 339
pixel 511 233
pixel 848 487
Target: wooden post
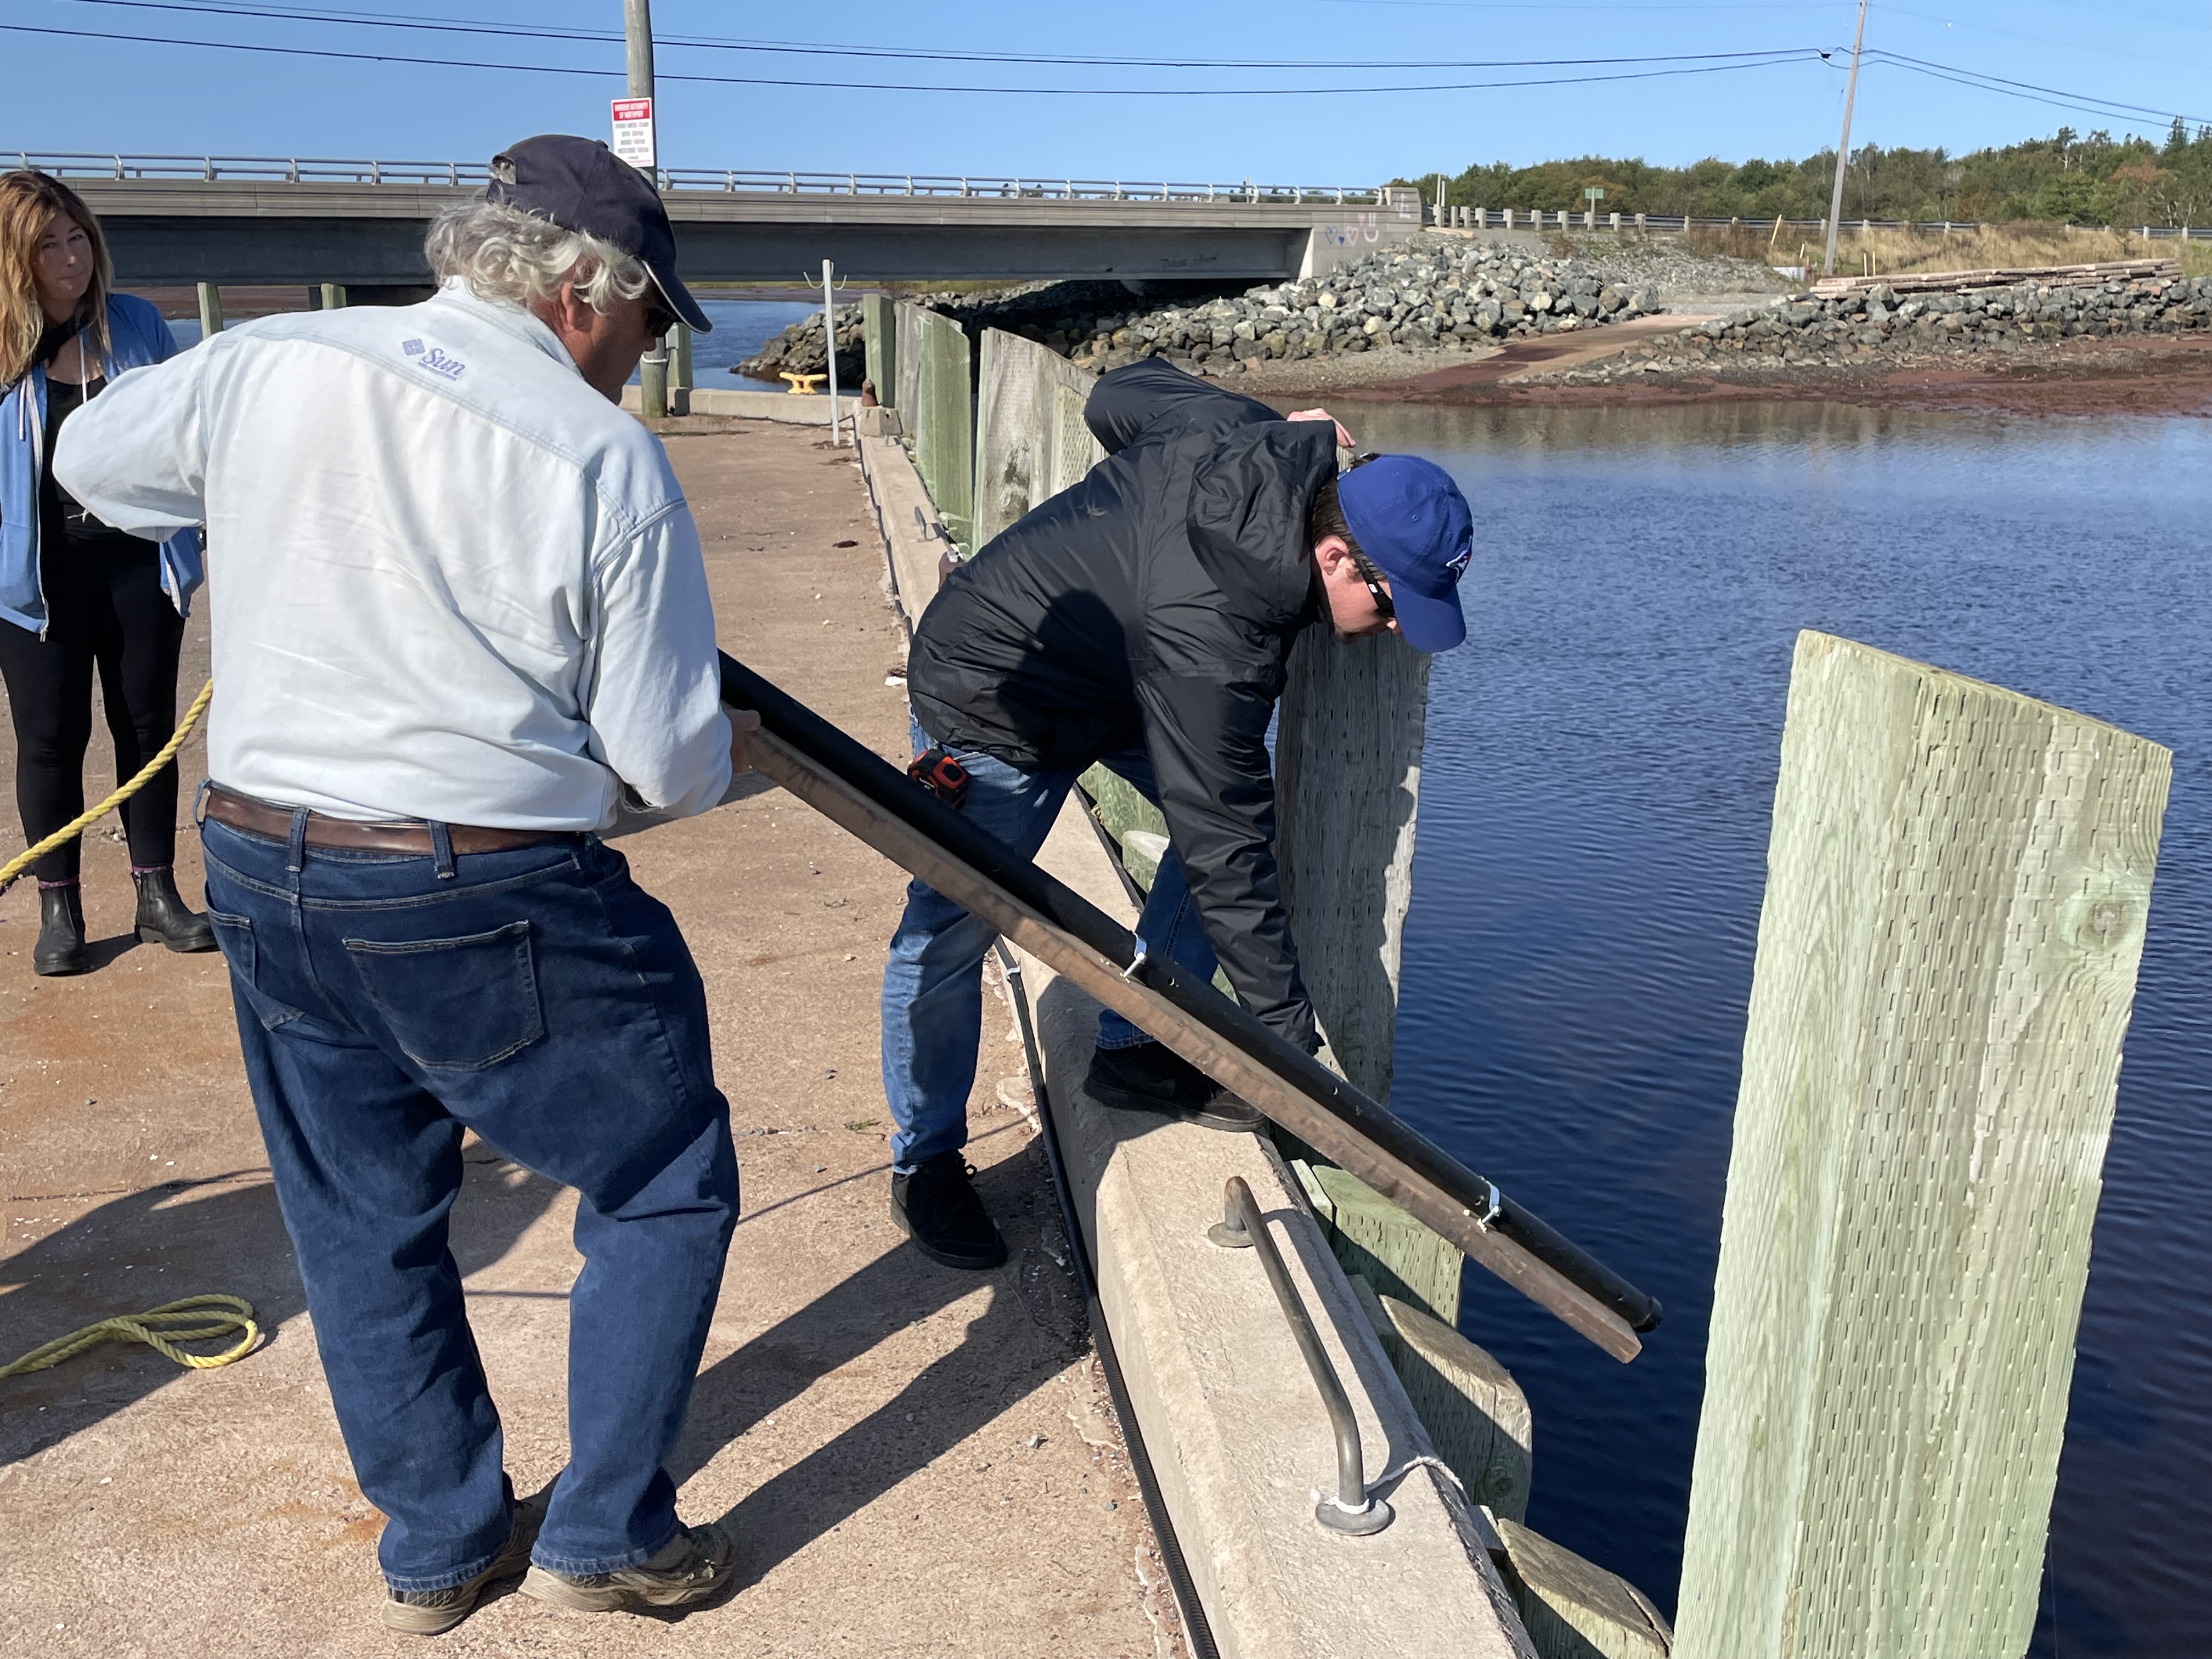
pixel 1375 1239
pixel 210 311
pixel 943 412
pixel 1347 781
pixel 879 331
pixel 1957 882
pixel 1030 441
pixel 333 295
pixel 906 366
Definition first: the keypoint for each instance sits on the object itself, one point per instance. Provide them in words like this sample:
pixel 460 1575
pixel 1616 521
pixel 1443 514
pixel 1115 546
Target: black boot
pixel 938 1207
pixel 60 949
pixel 163 918
pixel 1149 1077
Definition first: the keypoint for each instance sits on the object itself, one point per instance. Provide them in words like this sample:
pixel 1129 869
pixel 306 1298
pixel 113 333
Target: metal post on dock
pixel 829 339
pixel 210 311
pixel 679 369
pixel 637 55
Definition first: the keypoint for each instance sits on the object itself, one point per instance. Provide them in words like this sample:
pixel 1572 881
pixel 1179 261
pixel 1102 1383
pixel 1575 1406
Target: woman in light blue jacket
pixel 76 596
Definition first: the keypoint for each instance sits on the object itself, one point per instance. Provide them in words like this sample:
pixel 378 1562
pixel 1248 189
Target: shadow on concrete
pixel 1033 1327
pixel 221 1234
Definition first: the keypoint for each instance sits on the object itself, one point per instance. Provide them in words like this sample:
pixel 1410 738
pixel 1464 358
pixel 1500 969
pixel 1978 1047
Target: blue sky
pixel 65 94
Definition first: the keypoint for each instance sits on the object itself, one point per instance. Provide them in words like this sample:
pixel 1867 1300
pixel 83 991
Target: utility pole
pixel 1843 144
pixel 637 44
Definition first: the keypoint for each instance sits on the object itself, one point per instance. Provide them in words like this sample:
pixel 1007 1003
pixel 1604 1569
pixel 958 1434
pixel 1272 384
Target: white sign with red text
pixel 633 123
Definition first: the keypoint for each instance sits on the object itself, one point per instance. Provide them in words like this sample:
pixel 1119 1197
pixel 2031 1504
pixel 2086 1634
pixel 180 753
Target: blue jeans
pixel 933 982
pixel 539 997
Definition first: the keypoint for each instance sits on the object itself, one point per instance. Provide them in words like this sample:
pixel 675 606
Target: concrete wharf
pixel 913 1460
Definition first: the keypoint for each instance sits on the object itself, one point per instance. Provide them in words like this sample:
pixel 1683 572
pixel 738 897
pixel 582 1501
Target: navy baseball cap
pixel 580 185
pixel 1411 521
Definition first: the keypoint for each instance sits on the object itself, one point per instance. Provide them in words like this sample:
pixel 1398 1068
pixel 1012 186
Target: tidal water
pixel 1595 806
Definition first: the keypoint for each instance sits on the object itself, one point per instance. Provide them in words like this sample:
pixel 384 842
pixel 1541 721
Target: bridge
pixel 175 220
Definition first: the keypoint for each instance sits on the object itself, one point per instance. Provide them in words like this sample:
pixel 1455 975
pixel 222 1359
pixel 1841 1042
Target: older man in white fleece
pixel 460 615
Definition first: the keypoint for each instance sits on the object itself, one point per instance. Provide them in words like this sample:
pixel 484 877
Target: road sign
pixel 633 123
pixel 1591 193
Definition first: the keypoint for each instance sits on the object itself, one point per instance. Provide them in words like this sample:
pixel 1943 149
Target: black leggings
pixel 106 610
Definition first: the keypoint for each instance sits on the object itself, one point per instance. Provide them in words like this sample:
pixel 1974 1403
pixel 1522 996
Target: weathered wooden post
pixel 942 419
pixel 1030 441
pixel 333 296
pixel 1957 884
pixel 210 311
pixel 879 331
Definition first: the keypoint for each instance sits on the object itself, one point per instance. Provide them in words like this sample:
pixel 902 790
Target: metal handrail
pixel 726 180
pixel 1354 1510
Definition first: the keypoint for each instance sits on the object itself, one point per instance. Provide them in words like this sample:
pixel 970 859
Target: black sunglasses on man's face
pixel 660 321
pixel 1376 590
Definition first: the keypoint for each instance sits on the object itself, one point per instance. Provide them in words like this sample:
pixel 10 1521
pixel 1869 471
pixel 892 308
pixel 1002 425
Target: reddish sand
pixel 2152 374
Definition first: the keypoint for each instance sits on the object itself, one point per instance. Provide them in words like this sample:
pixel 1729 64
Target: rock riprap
pixel 1443 294
pixel 1802 329
pixel 797 351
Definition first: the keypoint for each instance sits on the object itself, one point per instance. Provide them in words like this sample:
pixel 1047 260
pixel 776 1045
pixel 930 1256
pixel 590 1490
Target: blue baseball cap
pixel 580 185
pixel 1410 519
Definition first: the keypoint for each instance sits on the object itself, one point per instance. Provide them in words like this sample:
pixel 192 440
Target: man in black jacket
pixel 1141 619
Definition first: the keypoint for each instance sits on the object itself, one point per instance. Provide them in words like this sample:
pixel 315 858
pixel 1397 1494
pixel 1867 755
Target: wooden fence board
pixel 1958 877
pixel 879 328
pixel 944 420
pixel 1028 448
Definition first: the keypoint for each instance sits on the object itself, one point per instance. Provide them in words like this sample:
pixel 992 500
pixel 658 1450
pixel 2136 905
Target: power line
pixel 714 43
pixel 1770 61
pixel 2082 103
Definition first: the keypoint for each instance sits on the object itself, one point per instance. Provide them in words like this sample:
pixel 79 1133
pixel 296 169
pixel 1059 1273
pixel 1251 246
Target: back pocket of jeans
pixel 454 1005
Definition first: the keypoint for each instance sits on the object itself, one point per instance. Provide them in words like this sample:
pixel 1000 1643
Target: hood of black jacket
pixel 1250 501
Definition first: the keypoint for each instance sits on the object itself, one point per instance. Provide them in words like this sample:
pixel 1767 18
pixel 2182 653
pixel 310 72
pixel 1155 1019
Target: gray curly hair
pixel 503 253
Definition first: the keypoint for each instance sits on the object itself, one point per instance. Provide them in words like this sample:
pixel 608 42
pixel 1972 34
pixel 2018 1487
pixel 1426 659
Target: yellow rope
pixel 141 1328
pixel 15 866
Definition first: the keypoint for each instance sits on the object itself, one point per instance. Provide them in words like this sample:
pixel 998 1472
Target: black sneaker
pixel 938 1207
pixel 1152 1078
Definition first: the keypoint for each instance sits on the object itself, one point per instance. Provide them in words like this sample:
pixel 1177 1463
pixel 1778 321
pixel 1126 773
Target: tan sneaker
pixel 692 1567
pixel 427 1612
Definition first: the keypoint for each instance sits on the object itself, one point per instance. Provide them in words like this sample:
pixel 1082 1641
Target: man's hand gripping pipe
pixel 856 789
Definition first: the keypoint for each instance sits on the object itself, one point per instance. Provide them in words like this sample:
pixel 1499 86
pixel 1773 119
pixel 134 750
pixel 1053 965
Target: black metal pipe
pixel 868 774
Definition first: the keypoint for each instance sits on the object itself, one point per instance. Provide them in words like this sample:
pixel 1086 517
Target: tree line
pixel 2067 178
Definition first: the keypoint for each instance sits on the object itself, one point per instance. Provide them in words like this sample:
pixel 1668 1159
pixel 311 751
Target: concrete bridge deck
pixel 270 230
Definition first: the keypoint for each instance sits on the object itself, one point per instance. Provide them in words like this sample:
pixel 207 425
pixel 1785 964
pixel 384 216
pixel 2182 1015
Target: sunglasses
pixel 1376 590
pixel 660 321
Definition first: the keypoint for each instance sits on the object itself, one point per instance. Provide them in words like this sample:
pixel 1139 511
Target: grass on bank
pixel 1878 253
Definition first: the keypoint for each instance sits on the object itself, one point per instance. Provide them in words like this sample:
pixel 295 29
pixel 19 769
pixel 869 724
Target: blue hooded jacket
pixel 136 337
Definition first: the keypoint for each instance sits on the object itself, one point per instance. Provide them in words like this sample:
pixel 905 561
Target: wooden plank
pixel 1074 451
pixel 906 362
pixel 1013 436
pixel 1957 882
pixel 1227 1063
pixel 1575 1609
pixel 1347 783
pixel 879 327
pixel 1948 282
pixel 1476 1414
pixel 943 426
pixel 1376 1239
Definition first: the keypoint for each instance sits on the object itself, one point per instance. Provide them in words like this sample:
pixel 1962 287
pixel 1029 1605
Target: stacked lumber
pixel 1953 281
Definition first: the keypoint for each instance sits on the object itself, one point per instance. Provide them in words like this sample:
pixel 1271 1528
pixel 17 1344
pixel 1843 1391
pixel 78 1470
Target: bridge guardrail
pixel 727 180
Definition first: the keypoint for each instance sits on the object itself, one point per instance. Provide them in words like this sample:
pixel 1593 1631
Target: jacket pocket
pixel 454 1005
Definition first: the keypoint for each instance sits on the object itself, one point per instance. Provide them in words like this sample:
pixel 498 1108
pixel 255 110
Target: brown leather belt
pixel 405 836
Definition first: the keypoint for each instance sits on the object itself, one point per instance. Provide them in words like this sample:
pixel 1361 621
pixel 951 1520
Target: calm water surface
pixel 1599 776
